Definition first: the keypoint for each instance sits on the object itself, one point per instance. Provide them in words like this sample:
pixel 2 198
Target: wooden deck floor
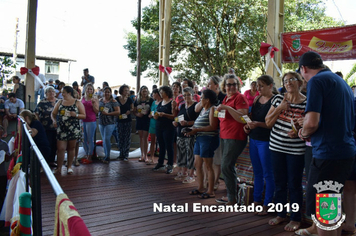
pixel 117 199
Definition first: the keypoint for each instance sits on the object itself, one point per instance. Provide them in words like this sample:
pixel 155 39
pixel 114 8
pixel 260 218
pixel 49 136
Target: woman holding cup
pixel 109 109
pixel 91 105
pixel 142 110
pixel 65 117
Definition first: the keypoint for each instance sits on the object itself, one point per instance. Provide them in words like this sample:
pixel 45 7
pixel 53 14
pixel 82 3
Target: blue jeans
pixel 106 132
pixel 231 149
pixel 262 169
pixel 288 174
pixel 89 134
pixel 165 137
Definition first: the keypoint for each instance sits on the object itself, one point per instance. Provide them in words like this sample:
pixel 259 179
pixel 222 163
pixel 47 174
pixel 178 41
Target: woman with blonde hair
pixel 142 109
pixel 91 106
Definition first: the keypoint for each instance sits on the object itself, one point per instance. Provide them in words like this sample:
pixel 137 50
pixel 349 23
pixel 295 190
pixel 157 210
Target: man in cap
pixel 87 78
pixel 51 83
pixel 329 121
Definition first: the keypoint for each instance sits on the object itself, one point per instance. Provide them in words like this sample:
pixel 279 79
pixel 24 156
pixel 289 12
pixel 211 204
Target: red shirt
pixel 229 127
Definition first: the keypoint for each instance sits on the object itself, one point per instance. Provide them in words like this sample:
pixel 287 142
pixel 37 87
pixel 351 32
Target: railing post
pixel 36 194
pixel 25 154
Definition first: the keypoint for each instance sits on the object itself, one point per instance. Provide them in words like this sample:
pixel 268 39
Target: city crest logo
pixel 296 44
pixel 328 206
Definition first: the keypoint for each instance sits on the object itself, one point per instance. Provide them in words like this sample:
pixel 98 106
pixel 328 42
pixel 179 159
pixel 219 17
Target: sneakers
pixel 188 180
pixel 126 159
pixel 158 167
pixel 169 169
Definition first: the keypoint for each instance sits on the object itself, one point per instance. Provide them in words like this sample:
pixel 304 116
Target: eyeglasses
pixel 290 80
pixel 233 85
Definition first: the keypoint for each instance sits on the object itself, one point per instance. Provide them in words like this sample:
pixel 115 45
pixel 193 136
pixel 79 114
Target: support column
pixel 164 37
pixel 275 23
pixel 30 52
pixel 138 72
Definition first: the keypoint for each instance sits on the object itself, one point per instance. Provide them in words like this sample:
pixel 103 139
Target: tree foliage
pixel 209 36
pixel 6 68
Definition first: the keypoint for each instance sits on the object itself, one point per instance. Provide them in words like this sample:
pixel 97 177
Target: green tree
pixel 209 36
pixel 6 66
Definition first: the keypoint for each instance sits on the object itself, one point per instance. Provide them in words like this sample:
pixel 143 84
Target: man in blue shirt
pixel 329 121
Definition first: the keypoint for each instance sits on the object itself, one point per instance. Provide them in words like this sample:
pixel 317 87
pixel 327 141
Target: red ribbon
pixel 35 70
pixel 168 69
pixel 264 49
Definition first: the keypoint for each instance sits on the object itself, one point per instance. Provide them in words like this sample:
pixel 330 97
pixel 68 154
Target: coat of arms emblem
pixel 296 44
pixel 328 205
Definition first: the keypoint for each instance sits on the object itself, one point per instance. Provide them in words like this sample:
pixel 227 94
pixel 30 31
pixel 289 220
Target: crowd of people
pixel 204 132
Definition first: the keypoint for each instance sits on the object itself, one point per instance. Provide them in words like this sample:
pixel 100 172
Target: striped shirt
pixel 203 121
pixel 279 139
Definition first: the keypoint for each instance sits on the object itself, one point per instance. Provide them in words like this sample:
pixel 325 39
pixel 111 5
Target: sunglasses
pixel 290 80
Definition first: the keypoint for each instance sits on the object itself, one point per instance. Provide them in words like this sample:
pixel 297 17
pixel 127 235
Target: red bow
pixel 35 70
pixel 162 69
pixel 265 47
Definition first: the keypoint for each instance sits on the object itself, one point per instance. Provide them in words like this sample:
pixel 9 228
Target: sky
pixel 93 33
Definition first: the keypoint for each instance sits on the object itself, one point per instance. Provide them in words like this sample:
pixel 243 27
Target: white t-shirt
pixel 37 84
pixel 13 106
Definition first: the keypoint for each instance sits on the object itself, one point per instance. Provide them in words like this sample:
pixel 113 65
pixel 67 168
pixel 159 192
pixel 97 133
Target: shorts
pixel 326 170
pixel 205 146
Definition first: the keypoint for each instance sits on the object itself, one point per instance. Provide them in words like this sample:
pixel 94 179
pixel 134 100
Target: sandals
pixel 264 212
pixel 195 192
pixel 206 196
pixel 57 171
pixel 70 171
pixel 76 163
pixel 276 221
pixel 141 160
pixel 149 162
pixel 292 226
pixel 303 232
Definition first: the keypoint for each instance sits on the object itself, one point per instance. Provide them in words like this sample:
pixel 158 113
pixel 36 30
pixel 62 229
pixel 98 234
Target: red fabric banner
pixel 332 44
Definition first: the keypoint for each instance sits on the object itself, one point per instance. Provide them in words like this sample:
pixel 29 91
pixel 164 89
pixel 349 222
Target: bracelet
pixel 77 115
